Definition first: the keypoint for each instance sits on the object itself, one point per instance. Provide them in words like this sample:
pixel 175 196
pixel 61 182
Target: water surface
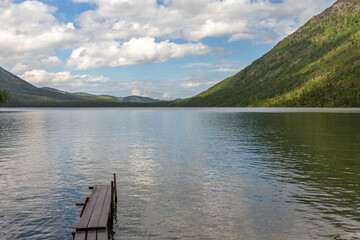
pixel 183 173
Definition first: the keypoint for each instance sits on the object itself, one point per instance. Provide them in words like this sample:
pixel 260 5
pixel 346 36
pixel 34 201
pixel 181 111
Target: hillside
pixel 318 65
pixel 24 94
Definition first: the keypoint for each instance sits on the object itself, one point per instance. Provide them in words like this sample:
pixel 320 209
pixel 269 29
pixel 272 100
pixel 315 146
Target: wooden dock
pixel 97 213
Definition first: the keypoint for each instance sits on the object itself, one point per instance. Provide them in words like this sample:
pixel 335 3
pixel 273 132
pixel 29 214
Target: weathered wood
pixel 112 190
pixel 97 212
pixel 103 221
pixel 91 235
pixel 102 235
pixel 94 218
pixel 115 188
pixel 80 235
pixel 84 220
pixel 83 208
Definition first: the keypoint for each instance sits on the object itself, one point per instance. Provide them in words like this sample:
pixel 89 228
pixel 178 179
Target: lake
pixel 204 173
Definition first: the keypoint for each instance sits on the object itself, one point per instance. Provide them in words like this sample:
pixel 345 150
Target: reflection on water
pixel 183 173
pixel 314 161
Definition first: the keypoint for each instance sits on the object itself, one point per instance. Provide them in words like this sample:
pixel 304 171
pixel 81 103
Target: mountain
pixel 316 66
pixel 139 99
pixel 24 94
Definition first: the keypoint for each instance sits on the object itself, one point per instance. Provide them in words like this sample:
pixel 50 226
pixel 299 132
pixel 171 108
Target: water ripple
pixel 183 173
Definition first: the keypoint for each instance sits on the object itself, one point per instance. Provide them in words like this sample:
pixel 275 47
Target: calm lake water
pixel 183 173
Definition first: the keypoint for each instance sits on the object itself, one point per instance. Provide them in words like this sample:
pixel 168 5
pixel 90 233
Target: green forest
pixel 4 96
pixel 317 66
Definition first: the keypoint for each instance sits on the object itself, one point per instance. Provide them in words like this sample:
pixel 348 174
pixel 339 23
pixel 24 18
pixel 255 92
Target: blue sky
pixel 162 49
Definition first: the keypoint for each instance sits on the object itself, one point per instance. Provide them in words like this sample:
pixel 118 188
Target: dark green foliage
pixel 318 65
pixel 4 96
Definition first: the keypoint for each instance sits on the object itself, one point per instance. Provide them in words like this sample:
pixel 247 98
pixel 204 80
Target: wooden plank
pixel 103 221
pixel 83 208
pixel 80 235
pixel 85 217
pixel 91 235
pixel 94 220
pixel 102 235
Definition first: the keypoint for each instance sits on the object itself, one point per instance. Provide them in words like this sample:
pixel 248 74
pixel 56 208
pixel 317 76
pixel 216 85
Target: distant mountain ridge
pixel 316 66
pixel 25 94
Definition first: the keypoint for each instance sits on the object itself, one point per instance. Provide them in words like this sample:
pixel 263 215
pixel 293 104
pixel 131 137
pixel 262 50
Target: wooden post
pixel 112 190
pixel 83 205
pixel 112 198
pixel 115 189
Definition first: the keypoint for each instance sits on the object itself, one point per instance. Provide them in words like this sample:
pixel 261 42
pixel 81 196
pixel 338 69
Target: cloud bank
pixel 165 90
pixel 135 51
pixel 116 33
pixel 115 28
pixel 29 31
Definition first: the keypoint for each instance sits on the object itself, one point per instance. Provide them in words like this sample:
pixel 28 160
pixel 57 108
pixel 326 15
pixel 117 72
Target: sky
pixel 164 49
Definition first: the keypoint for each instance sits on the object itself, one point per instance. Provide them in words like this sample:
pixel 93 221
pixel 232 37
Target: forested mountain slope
pixel 23 94
pixel 318 65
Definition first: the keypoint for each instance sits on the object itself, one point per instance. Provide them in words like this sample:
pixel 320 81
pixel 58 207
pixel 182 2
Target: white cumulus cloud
pixel 66 81
pixel 135 51
pixel 115 33
pixel 42 62
pixel 165 90
pixel 29 30
pixel 194 20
